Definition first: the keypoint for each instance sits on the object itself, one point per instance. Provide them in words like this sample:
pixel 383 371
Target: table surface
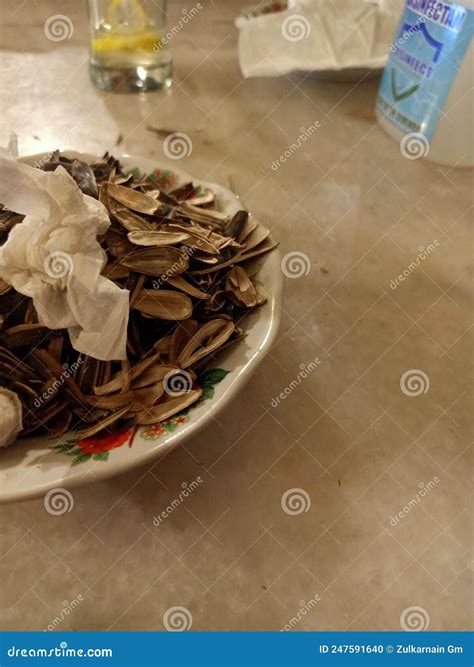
pixel 383 475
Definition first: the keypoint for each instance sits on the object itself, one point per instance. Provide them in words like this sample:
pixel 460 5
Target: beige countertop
pixel 358 448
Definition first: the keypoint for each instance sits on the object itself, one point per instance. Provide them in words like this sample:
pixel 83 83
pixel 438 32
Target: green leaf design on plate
pixel 170 426
pixel 211 377
pixel 207 381
pixel 80 458
pixel 207 392
pixel 135 172
pixel 101 456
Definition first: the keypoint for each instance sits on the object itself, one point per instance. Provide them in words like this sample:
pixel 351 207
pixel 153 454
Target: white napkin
pixel 53 256
pixel 317 35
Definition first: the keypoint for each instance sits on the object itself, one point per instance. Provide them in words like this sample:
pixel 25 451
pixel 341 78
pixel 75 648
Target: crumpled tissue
pixel 54 257
pixel 317 35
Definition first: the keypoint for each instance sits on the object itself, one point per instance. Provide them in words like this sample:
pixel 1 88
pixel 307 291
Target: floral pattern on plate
pixel 98 448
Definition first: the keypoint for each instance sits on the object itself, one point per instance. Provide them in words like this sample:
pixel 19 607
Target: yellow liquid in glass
pixel 127 52
pixel 125 48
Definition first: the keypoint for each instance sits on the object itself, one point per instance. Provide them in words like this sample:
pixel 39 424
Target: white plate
pixel 30 467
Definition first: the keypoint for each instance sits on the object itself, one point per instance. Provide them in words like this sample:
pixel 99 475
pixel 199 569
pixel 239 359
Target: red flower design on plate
pixel 98 448
pixel 105 443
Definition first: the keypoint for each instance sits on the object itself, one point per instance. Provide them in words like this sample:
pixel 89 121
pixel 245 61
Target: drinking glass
pixel 127 50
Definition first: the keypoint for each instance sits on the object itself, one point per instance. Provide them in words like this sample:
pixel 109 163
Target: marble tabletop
pixel 345 503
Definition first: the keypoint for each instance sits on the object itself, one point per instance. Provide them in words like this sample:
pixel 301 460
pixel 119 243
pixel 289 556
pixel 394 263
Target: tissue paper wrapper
pixel 318 36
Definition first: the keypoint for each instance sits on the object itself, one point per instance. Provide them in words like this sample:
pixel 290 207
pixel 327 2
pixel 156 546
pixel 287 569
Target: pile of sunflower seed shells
pixel 186 266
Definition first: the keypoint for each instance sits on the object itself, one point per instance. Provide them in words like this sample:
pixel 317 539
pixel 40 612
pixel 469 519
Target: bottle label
pixel 429 46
